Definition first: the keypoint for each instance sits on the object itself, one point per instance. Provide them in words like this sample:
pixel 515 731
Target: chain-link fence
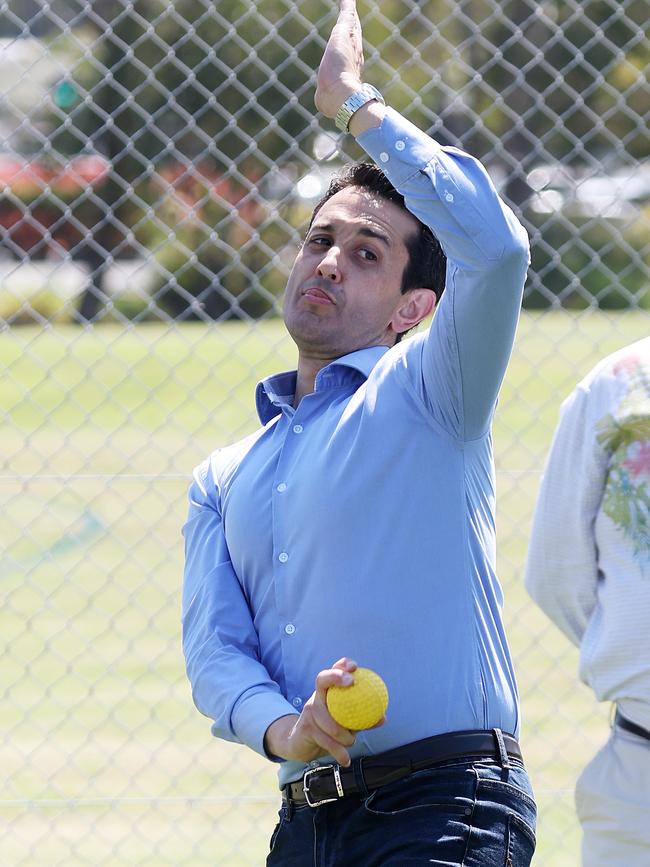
pixel 158 161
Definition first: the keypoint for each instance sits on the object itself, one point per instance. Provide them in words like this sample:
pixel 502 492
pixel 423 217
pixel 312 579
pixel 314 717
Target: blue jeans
pixel 470 813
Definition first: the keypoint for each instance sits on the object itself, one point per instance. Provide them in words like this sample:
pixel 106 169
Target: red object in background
pixel 79 174
pixel 24 231
pixel 22 178
pixel 26 179
pixel 31 197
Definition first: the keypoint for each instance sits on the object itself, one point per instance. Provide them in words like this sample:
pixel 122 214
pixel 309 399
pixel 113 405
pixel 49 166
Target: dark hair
pixel 426 266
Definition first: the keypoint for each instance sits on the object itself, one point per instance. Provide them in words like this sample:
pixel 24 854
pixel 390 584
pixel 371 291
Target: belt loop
pixel 359 779
pixel 288 805
pixel 504 761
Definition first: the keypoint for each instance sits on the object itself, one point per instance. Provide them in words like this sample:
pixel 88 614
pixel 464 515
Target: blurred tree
pixel 179 83
pixel 581 63
pixel 224 89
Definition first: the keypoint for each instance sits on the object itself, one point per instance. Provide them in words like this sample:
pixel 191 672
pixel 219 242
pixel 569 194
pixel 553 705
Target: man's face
pixel 345 283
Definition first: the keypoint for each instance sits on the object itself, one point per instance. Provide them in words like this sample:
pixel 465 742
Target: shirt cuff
pixel 253 715
pixel 398 147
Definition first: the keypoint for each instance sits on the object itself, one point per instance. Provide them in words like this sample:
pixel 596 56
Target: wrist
pixel 277 735
pixel 367 94
pixel 329 101
pixel 369 116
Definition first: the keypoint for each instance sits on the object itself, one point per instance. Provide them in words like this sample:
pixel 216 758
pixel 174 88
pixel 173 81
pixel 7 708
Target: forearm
pixel 313 733
pixel 562 563
pixel 487 258
pixel 457 199
pixel 230 685
pixel 233 690
pixel 277 736
pixel 450 192
pixel 561 568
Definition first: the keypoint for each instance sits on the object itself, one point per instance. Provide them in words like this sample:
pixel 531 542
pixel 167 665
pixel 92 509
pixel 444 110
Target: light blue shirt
pixel 361 524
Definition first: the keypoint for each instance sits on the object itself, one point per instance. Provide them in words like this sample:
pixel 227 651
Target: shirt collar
pixel 277 391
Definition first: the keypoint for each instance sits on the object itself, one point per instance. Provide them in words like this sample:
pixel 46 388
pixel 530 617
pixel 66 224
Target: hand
pixel 339 73
pixel 314 733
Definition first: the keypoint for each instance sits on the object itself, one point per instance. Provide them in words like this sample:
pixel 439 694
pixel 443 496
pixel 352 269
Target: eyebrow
pixel 364 231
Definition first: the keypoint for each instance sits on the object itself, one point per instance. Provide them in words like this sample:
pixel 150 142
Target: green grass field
pixel 106 760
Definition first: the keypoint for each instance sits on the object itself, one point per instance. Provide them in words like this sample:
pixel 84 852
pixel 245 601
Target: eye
pixel 319 241
pixel 368 255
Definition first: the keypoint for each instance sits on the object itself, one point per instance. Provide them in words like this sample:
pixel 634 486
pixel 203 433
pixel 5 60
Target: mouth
pixel 317 296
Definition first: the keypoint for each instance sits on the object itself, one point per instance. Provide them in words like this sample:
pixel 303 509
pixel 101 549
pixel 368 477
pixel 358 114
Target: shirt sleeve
pixel 562 564
pixel 220 643
pixel 470 341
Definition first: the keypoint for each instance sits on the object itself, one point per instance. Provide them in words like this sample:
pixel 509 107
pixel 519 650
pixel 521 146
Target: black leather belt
pixel 631 727
pixel 328 783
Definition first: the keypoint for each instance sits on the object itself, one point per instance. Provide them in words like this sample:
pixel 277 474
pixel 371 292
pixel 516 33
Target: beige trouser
pixel 613 803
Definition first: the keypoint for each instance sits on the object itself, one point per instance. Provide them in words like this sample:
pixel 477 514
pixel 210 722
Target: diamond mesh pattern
pixel 158 162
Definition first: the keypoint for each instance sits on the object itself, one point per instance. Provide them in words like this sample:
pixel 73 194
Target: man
pixel 360 518
pixel 589 570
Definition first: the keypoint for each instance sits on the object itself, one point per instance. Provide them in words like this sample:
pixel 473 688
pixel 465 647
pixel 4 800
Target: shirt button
pixel 399 145
pixel 289 628
pixel 282 487
pixel 383 156
pixel 297 428
pixel 283 557
pixel 296 702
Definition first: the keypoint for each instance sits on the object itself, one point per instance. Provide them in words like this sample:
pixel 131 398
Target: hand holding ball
pixel 360 705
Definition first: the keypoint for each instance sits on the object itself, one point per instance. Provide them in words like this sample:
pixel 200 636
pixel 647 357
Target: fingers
pixel 332 677
pixel 330 735
pixel 315 732
pixel 346 663
pixel 339 675
pixel 335 746
pixel 316 727
pixel 339 73
pixel 349 20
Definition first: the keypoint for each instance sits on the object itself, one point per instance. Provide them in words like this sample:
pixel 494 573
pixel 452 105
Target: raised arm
pixel 339 73
pixel 486 247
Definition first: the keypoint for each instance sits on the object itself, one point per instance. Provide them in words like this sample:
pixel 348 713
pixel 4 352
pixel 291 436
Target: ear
pixel 415 305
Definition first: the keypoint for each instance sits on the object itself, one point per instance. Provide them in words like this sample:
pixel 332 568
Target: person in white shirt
pixel 588 569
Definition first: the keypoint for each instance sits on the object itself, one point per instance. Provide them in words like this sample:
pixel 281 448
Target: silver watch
pixel 353 103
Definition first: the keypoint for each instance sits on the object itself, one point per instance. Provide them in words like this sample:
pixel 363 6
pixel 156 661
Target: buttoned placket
pixel 296 424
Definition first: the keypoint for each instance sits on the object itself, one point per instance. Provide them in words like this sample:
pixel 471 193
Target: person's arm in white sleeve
pixel 562 564
pixel 229 683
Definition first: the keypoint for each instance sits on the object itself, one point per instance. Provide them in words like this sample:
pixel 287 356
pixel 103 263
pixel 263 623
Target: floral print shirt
pixel 589 555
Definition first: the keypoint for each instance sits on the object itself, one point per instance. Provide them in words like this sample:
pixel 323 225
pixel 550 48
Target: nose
pixel 329 266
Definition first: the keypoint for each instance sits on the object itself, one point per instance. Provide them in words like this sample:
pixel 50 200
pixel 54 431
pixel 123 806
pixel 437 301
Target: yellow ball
pixel 360 705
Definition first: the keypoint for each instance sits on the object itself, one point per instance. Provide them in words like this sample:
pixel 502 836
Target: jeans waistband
pixel 328 783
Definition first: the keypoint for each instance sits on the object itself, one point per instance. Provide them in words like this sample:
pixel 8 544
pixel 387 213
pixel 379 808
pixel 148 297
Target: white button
pixel 283 557
pixel 297 428
pixel 449 197
pixel 296 702
pixel 289 628
pixel 383 156
pixel 399 145
pixel 282 487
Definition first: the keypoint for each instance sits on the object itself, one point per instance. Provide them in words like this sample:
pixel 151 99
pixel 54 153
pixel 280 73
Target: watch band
pixel 353 103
